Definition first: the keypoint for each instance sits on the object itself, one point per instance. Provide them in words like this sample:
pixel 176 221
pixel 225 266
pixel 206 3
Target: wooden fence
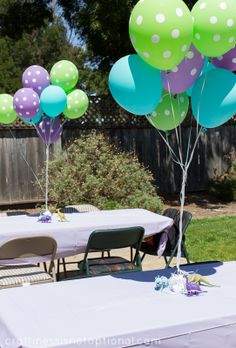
pixel 22 154
pixel 21 150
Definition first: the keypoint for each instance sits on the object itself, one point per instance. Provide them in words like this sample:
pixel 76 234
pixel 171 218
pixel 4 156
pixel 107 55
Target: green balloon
pixel 7 112
pixel 161 32
pixel 214 26
pixel 77 104
pixel 64 74
pixel 170 112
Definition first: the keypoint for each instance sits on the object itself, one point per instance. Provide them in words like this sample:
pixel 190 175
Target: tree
pixel 23 16
pixel 44 46
pixel 103 25
pixel 33 32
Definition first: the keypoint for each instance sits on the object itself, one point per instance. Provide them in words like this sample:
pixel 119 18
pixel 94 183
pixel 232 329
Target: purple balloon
pixel 36 77
pixel 185 74
pixel 26 102
pixel 49 129
pixel 227 61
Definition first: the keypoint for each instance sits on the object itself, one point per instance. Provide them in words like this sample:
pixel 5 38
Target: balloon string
pixel 172 153
pixel 198 116
pixel 188 161
pixel 60 128
pixel 184 167
pixel 46 169
pixel 194 147
pixel 46 186
pixel 182 202
pixel 52 120
pixel 189 145
pixel 27 163
pixel 173 113
pixel 182 198
pixel 202 88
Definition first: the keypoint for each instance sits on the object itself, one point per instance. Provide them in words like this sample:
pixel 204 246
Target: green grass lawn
pixel 212 239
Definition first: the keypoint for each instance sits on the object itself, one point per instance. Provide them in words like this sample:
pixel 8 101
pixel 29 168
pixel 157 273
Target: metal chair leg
pixel 45 266
pixel 58 269
pixel 108 253
pixel 143 257
pixel 131 253
pixel 174 253
pixel 185 253
pixel 64 267
pixel 171 256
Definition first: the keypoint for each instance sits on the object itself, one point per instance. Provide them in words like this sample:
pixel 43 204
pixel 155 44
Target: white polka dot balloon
pixel 185 74
pixel 49 129
pixel 64 74
pixel 26 103
pixel 170 112
pixel 36 77
pixel 214 26
pixel 227 61
pixel 77 104
pixel 161 32
pixel 7 112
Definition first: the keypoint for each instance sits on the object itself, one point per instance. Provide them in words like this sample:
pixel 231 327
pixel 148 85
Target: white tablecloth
pixel 72 236
pixel 121 311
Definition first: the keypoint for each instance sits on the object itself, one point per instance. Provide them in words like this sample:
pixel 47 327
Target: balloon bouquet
pixel 179 53
pixel 41 102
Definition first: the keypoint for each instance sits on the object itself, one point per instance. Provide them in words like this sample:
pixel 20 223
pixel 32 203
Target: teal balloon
pixel 135 85
pixel 214 98
pixel 53 101
pixel 34 120
pixel 206 67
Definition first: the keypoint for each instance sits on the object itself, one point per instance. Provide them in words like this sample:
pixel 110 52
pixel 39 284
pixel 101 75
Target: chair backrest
pixel 28 247
pixel 116 238
pixel 81 208
pixel 170 212
pixel 173 233
pixel 187 217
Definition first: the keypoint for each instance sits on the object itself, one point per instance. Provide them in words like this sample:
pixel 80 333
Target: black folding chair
pixel 150 245
pixel 103 240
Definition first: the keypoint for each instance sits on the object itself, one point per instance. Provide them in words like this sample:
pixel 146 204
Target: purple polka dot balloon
pixel 36 77
pixel 49 129
pixel 185 74
pixel 227 61
pixel 26 103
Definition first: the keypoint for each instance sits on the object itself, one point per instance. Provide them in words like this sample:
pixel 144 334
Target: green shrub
pixel 94 171
pixel 224 187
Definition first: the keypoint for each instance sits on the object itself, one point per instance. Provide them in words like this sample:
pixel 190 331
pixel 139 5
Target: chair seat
pixel 17 276
pixel 108 265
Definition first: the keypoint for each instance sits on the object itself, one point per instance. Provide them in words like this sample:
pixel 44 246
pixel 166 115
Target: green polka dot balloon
pixel 7 112
pixel 214 26
pixel 161 32
pixel 170 112
pixel 64 74
pixel 77 104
